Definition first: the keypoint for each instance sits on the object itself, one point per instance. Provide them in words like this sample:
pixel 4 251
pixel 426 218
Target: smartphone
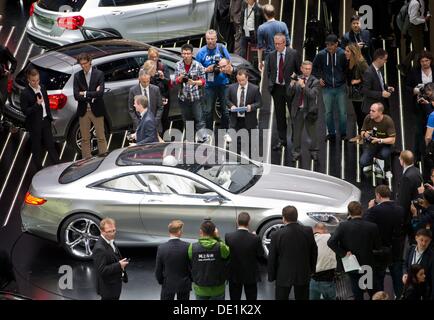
pixel 39 95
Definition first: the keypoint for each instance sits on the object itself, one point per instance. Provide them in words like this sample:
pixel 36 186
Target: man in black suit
pixel 280 65
pixel 305 105
pixel 292 258
pixel 389 218
pixel 374 88
pixel 147 129
pixel 356 237
pixel 419 76
pixel 246 248
pixel 409 183
pixel 172 267
pixel 89 91
pixel 36 107
pixel 152 93
pixel 108 262
pixel 243 94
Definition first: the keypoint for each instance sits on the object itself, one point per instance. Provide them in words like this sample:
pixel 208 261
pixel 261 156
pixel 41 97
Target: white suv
pixel 59 22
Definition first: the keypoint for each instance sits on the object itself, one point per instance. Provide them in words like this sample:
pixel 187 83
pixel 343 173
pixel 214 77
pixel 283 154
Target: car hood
pixel 290 184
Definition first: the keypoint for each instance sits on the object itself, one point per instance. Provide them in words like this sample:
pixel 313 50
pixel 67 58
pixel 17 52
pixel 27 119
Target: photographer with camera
pixel 209 262
pixel 422 210
pixel 216 81
pixel 416 82
pixel 304 91
pixel 378 132
pixel 190 76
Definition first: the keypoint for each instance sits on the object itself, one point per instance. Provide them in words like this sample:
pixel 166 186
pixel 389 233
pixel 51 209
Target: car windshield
pixel 62 5
pixel 79 169
pixel 221 167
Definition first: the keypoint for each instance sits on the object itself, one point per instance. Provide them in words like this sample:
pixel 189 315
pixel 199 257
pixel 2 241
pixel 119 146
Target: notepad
pixel 350 263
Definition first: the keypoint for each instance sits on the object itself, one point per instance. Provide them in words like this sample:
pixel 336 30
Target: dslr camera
pixel 216 67
pixel 423 94
pixel 418 203
pixel 295 77
pixel 371 135
pixel 186 77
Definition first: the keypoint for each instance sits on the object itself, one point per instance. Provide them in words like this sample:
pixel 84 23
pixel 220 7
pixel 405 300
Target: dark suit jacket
pixel 291 65
pixel 246 248
pixel 259 16
pixel 293 255
pixel 413 79
pixel 311 97
pixel 358 236
pixel 32 110
pixel 155 103
pixel 253 97
pixel 147 130
pixel 428 264
pixel 389 218
pixel 172 268
pixel 93 96
pixel 365 36
pixel 407 189
pixel 109 272
pixel 371 90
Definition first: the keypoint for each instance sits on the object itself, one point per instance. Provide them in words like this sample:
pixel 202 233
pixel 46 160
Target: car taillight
pixel 29 199
pixel 57 101
pixel 32 9
pixel 10 85
pixel 70 23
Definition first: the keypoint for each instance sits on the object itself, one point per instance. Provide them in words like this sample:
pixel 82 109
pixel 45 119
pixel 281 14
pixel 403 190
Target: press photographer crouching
pixel 422 210
pixel 425 98
pixel 378 133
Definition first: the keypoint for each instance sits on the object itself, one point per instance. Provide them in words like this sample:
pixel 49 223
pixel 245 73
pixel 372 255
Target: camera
pixel 294 77
pixel 216 67
pixel 418 203
pixel 423 94
pixel 186 78
pixel 371 135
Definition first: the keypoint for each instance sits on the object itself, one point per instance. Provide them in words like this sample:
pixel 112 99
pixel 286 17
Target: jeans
pixel 380 151
pixel 325 288
pixel 335 98
pixel 211 95
pixel 192 110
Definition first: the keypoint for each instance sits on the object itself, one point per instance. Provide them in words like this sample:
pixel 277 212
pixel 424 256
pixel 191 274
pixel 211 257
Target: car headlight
pixel 330 218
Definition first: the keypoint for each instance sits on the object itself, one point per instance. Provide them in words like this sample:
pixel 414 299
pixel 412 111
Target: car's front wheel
pixel 266 232
pixel 78 235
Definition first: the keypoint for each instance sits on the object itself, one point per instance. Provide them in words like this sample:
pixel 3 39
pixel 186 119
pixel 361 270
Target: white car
pixel 59 22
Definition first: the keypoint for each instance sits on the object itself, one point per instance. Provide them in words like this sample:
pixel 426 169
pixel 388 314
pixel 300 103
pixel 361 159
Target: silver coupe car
pixel 146 186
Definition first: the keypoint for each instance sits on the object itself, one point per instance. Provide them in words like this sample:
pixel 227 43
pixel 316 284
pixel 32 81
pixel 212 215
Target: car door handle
pixel 162 6
pixel 117 12
pixel 154 201
pixel 107 89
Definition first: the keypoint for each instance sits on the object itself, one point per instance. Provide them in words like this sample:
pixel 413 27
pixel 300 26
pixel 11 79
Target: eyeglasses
pixel 110 231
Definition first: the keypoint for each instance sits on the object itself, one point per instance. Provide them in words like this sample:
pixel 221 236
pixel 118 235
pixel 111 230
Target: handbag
pixel 355 92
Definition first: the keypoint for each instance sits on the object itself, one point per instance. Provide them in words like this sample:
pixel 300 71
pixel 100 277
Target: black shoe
pixel 331 137
pixel 279 146
pixel 314 156
pixel 295 158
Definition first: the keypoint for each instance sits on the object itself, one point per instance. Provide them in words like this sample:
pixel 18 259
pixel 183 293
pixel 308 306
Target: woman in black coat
pixel 414 285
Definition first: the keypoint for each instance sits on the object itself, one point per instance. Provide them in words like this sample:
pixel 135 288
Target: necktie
pixel 242 97
pixel 380 76
pixel 280 77
pixel 301 100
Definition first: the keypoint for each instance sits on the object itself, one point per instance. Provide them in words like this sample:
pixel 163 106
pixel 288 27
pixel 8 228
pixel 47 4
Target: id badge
pixel 210 76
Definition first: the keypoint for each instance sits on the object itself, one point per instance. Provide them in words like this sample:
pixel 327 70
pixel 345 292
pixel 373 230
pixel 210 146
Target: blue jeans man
pixel 211 95
pixel 325 288
pixel 380 151
pixel 336 98
pixel 192 111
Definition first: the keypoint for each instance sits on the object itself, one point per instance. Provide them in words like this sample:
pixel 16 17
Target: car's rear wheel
pixel 266 232
pixel 78 235
pixel 74 137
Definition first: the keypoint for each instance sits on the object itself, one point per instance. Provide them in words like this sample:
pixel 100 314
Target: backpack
pixel 403 18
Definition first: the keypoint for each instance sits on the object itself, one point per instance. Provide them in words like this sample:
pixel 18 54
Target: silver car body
pixel 148 21
pixel 142 217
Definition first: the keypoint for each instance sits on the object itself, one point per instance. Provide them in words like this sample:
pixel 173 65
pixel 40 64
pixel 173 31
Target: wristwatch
pixel 381 141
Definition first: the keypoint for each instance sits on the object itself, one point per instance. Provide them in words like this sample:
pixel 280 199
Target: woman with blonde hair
pixel 356 68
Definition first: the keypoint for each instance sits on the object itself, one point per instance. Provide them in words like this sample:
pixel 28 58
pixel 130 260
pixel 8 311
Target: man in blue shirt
pixel 266 33
pixel 209 56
